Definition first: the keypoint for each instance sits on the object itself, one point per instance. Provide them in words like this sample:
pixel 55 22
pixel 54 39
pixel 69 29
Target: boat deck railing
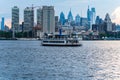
pixel 55 38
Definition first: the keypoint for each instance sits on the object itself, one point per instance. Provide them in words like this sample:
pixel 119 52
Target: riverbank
pixel 8 39
pixel 41 39
pixel 19 39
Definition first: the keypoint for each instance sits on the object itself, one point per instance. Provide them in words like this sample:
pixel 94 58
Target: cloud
pixel 8 22
pixel 116 15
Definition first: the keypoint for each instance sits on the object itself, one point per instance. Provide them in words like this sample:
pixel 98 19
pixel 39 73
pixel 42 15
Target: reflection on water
pixel 28 60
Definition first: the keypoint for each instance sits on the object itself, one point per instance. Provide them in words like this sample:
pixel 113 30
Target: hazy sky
pixel 77 7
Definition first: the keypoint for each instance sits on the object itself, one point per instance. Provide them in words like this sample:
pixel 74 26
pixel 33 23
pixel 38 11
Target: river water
pixel 28 60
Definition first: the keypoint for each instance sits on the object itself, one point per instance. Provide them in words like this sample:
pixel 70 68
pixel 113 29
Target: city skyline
pixel 77 7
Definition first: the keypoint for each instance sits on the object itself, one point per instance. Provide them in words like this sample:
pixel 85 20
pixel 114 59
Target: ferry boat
pixel 62 40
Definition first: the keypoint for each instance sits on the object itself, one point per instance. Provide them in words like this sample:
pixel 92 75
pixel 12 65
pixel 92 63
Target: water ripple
pixel 28 60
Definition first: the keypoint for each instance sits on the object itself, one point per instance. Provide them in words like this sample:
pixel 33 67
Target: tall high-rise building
pixel 56 23
pixel 15 18
pixel 39 17
pixel 62 18
pixel 2 24
pixel 77 20
pixel 97 21
pixel 89 18
pixel 108 22
pixel 70 16
pixel 48 18
pixel 84 22
pixel 88 14
pixel 91 15
pixel 28 19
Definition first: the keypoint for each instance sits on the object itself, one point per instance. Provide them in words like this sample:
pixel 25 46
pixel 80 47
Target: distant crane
pixel 34 6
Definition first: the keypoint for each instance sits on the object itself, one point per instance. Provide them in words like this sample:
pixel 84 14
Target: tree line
pixel 4 34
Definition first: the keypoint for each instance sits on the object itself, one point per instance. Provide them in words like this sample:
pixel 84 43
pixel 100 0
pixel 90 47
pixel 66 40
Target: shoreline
pixel 40 40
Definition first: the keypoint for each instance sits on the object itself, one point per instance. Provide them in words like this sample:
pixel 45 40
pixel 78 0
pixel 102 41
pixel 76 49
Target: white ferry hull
pixel 61 44
pixel 61 40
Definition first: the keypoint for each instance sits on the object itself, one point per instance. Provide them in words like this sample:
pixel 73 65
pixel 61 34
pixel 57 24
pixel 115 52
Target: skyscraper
pixel 48 18
pixel 2 24
pixel 28 19
pixel 91 15
pixel 15 18
pixel 88 14
pixel 62 18
pixel 70 16
pixel 108 22
pixel 89 18
pixel 77 20
pixel 97 21
pixel 39 17
pixel 84 22
pixel 56 23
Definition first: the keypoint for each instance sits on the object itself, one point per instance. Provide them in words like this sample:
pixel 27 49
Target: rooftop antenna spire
pixel 32 6
pixel 81 13
pixel 89 4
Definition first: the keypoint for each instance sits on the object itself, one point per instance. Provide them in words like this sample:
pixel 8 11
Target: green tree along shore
pixel 4 34
pixel 110 34
pixel 7 35
pixel 30 34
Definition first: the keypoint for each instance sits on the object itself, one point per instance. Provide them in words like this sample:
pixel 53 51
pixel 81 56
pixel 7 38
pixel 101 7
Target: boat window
pixel 45 41
pixel 56 41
